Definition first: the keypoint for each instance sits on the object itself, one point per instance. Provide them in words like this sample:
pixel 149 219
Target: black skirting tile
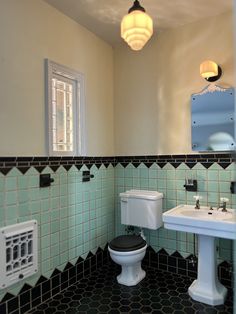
pixel 13 305
pixel 3 308
pixel 24 298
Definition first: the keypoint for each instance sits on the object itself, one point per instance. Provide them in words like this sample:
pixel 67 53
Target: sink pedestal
pixel 207 288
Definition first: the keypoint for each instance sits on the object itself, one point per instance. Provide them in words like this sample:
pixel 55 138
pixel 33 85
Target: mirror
pixel 213 127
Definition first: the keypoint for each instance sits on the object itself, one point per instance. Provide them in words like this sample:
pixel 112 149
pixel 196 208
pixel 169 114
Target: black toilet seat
pixel 127 243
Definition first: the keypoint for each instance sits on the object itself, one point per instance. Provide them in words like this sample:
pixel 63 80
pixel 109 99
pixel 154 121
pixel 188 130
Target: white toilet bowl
pixel 129 255
pixel 143 209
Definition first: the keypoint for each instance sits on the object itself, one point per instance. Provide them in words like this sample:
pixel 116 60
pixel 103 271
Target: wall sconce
pixel 210 70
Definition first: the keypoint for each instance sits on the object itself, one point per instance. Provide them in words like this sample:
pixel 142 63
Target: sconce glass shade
pixel 136 29
pixel 208 69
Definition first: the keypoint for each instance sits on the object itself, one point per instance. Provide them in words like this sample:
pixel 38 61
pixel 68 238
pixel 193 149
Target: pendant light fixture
pixel 136 27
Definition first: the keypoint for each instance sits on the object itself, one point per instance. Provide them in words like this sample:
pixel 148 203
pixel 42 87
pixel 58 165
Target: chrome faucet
pixel 224 200
pixel 197 198
pixel 197 206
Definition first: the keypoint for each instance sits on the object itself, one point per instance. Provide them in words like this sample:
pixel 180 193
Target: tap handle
pixel 224 199
pixel 197 198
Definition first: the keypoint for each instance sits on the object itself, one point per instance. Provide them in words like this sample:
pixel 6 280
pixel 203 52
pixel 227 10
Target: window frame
pixel 56 70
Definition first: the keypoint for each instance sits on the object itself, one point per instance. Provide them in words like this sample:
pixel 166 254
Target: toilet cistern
pixel 139 208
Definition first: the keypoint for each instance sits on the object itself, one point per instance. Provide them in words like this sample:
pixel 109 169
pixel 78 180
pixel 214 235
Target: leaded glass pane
pixel 62 114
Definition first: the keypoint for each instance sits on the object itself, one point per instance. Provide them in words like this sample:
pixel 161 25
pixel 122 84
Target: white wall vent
pixel 18 252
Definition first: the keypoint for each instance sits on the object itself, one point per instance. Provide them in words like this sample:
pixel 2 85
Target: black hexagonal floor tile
pixel 51 310
pixel 146 309
pixel 160 292
pixel 104 308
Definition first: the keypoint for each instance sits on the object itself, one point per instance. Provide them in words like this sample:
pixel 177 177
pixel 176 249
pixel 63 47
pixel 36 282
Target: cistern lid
pixel 151 195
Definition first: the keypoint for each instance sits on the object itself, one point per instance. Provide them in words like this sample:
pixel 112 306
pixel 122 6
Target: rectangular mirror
pixel 213 115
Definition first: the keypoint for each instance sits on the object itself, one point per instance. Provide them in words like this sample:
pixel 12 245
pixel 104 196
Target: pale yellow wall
pixel 31 30
pixel 153 86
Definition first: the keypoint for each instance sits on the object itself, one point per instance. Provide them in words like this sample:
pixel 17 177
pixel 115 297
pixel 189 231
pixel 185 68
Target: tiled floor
pixel 160 292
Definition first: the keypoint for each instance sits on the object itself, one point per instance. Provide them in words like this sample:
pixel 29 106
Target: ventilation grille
pixel 20 244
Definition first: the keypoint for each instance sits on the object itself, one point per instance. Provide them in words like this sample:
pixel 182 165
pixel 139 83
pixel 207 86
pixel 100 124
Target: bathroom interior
pixel 132 142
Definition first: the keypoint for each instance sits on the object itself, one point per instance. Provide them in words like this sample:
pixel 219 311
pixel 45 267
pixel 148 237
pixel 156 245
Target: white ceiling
pixel 103 17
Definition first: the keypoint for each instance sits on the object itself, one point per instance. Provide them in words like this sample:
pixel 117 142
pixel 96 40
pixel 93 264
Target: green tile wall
pixel 213 183
pixel 74 217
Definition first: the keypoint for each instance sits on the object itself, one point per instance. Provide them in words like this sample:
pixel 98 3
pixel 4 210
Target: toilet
pixel 142 209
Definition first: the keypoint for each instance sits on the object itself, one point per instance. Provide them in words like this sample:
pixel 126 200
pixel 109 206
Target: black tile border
pixel 30 297
pixel 223 159
pixel 39 163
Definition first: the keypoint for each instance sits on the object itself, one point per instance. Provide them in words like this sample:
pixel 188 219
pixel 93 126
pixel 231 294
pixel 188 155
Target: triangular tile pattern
pixel 224 165
pixel 162 252
pixel 161 164
pixel 98 251
pixel 154 167
pixel 148 164
pixel 7 297
pixel 90 254
pixel 176 164
pixel 4 171
pixel 79 166
pixel 54 168
pixel 184 167
pixel 176 254
pixel 40 168
pixel 224 264
pixel 190 164
pixel 23 164
pixel 41 280
pixel 23 170
pixel 68 266
pixel 80 259
pixel 98 165
pixel 198 166
pixel 55 272
pixel 26 287
pixel 47 169
pixel 150 249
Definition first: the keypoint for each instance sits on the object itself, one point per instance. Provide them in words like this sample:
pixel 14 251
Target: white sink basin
pixel 208 224
pixel 207 214
pixel 202 221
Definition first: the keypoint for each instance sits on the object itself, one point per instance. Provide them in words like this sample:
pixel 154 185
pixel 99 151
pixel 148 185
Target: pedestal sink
pixel 207 224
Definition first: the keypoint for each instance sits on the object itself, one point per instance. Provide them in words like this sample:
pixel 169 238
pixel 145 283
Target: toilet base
pixel 131 275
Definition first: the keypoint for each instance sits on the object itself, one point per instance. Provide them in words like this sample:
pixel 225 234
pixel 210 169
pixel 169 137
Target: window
pixel 65 110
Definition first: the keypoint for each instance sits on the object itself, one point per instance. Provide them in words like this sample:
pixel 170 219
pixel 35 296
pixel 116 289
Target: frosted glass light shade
pixel 136 29
pixel 208 69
